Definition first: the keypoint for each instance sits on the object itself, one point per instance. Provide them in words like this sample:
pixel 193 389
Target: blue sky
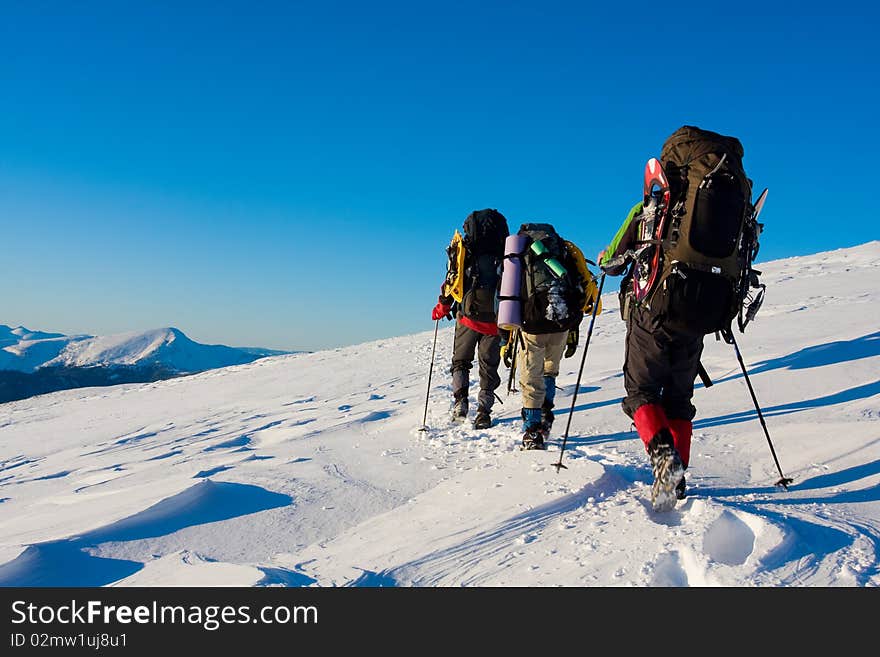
pixel 288 174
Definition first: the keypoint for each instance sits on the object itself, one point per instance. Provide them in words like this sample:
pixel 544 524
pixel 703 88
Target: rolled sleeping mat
pixel 509 300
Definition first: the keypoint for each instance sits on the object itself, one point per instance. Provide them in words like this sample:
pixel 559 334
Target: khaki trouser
pixel 538 359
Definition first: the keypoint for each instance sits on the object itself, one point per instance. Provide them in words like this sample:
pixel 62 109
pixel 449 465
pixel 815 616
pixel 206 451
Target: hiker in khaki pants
pixel 555 280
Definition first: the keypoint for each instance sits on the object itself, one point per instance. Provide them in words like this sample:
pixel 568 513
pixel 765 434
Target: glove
pixel 441 310
pixel 571 344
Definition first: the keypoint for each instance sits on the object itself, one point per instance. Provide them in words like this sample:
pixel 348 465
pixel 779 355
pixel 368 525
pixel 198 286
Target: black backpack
pixel 710 235
pixel 553 299
pixel 484 235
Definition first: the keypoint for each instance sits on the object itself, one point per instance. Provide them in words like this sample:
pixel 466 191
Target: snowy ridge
pixel 168 346
pixel 26 351
pixel 11 336
pixel 311 470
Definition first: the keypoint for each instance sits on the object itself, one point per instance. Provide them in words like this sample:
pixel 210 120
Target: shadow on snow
pixel 68 562
pixel 852 394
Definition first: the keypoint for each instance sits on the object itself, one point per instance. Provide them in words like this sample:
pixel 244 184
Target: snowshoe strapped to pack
pixel 453 286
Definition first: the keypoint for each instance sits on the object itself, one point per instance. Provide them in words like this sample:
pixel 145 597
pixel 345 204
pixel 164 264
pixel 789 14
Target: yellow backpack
pixel 592 289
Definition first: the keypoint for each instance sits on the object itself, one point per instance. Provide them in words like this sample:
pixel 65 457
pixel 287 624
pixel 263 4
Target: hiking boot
pixel 533 438
pixel 483 419
pixel 680 491
pixel 460 409
pixel 547 417
pixel 534 434
pixel 668 471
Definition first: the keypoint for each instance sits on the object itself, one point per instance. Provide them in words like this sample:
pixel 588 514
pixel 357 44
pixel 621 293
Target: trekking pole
pixel 424 426
pixel 783 481
pixel 704 376
pixel 577 385
pixel 510 380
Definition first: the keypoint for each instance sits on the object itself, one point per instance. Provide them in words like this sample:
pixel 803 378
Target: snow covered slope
pixel 311 470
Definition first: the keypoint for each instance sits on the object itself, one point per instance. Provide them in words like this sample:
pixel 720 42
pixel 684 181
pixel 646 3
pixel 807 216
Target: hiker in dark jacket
pixel 476 327
pixel 659 367
pixel 690 244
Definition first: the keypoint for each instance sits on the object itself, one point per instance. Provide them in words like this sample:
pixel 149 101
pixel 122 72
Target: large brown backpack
pixel 710 237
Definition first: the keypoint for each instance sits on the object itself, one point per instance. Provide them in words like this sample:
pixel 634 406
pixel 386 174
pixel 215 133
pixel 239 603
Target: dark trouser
pixel 659 367
pixel 488 350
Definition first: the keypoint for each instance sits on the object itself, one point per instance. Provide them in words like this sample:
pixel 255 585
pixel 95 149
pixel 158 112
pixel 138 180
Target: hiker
pixel 555 295
pixel 660 366
pixel 673 293
pixel 470 292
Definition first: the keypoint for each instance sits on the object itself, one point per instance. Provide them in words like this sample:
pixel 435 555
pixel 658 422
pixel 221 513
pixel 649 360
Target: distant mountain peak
pixel 26 351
